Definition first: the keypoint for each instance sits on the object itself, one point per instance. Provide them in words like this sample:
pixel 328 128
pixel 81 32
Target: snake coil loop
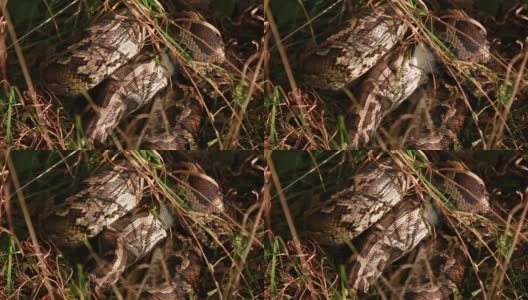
pixel 378 203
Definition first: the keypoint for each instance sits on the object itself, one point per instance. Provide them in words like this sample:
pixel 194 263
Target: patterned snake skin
pixel 374 43
pixel 101 50
pixel 109 206
pixel 102 200
pixel 447 262
pixel 167 133
pixel 350 53
pixel 128 89
pixel 376 203
pixel 111 54
pixel 351 211
pixel 398 232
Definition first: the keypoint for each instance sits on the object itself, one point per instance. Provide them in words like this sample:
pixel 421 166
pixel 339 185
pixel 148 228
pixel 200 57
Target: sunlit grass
pixel 60 22
pixel 487 92
pixel 491 247
pixel 230 254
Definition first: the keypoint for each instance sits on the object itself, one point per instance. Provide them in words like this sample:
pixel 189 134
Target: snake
pixel 111 55
pixel 374 44
pixel 379 206
pixel 110 207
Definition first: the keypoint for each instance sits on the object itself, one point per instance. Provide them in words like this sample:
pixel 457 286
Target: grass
pixel 229 262
pixel 494 245
pixel 34 118
pixel 492 95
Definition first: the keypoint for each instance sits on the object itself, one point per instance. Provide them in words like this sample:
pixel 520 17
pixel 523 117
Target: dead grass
pixel 34 118
pixel 494 245
pixel 229 263
pixel 492 95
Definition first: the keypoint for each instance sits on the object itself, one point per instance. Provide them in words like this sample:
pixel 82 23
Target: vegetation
pixel 496 244
pixel 32 117
pixel 492 97
pixel 32 267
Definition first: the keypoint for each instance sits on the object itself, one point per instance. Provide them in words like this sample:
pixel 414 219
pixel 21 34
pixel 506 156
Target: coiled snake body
pixel 374 41
pixel 111 53
pixel 110 206
pixel 379 203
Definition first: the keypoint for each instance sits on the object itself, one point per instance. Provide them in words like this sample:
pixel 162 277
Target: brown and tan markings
pixel 111 206
pixel 379 206
pixel 112 54
pixel 378 42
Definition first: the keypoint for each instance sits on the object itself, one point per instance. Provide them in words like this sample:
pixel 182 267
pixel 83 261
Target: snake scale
pixel 375 43
pixel 379 206
pixel 112 54
pixel 111 206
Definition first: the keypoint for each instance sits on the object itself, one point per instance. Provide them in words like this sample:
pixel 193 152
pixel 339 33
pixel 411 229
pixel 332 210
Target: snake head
pixel 466 189
pixel 466 37
pixel 200 39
